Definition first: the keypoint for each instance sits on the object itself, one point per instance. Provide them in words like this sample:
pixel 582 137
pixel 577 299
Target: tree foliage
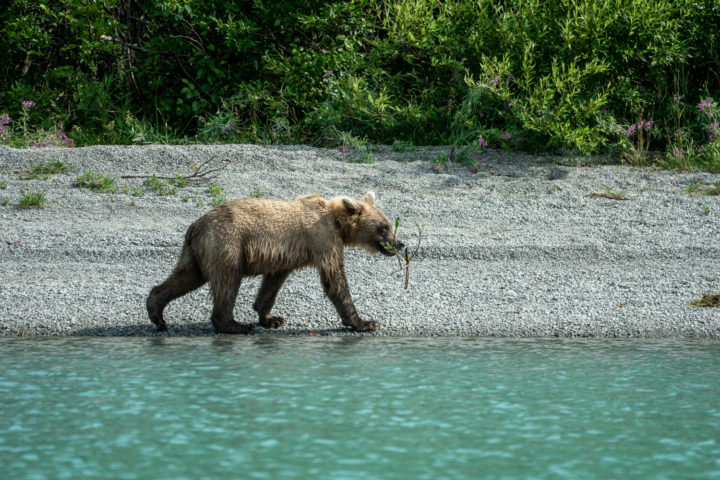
pixel 559 74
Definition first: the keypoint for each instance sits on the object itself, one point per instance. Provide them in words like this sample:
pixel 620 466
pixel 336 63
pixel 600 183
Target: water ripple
pixel 358 408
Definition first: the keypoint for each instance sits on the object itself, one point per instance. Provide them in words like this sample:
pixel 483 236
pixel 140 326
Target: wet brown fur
pixel 272 238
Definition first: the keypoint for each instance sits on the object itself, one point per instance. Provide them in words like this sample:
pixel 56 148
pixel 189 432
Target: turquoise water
pixel 358 408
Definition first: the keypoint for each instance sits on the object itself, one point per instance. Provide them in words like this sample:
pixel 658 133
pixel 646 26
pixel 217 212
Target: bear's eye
pixel 382 230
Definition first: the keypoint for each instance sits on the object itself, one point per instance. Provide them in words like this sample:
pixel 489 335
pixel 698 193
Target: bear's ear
pixel 369 198
pixel 349 204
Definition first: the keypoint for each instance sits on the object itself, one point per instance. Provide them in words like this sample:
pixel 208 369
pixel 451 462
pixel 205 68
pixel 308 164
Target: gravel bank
pixel 520 249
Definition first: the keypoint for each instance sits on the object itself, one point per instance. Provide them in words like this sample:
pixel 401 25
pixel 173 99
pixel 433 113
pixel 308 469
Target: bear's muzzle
pixel 389 252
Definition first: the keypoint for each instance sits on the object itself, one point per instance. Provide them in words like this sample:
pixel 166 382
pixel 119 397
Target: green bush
pixel 30 199
pixel 538 75
pixel 96 182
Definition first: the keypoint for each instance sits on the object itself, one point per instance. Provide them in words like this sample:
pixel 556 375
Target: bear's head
pixel 362 224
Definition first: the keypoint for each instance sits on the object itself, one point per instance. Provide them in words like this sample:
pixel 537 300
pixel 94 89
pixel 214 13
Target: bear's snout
pixel 397 246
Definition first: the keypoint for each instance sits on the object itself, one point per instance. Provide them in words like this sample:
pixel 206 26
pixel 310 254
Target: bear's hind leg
pixel 265 300
pixel 224 291
pixel 185 278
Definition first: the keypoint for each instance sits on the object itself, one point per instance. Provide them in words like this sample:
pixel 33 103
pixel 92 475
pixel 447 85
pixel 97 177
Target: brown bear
pixel 251 236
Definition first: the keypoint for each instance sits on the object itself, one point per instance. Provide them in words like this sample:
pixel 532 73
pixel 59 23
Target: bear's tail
pixel 188 261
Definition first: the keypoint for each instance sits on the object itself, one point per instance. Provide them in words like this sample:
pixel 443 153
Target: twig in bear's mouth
pixel 407 256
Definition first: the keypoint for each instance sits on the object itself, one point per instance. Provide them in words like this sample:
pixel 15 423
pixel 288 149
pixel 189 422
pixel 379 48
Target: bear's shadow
pixel 199 329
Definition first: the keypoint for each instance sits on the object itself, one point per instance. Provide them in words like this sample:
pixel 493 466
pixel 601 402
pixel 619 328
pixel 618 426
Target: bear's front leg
pixel 336 288
pixel 271 284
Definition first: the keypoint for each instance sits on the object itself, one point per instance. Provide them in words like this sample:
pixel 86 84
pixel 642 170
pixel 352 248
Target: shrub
pixel 554 75
pixel 96 182
pixel 44 170
pixel 30 199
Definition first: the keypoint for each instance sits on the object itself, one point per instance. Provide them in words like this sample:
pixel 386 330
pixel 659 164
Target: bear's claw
pixel 272 322
pixel 366 326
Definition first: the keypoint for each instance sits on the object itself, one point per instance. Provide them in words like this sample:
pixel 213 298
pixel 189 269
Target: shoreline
pixel 526 247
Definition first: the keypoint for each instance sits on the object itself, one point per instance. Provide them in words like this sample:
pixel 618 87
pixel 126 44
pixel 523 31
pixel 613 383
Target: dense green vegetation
pixel 627 77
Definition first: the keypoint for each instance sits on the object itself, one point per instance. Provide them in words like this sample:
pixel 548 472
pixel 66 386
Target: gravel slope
pixel 519 249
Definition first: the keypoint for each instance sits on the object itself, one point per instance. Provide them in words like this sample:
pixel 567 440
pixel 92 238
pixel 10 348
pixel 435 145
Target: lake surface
pixel 358 408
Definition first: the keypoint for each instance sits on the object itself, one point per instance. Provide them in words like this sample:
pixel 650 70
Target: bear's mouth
pixel 388 252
